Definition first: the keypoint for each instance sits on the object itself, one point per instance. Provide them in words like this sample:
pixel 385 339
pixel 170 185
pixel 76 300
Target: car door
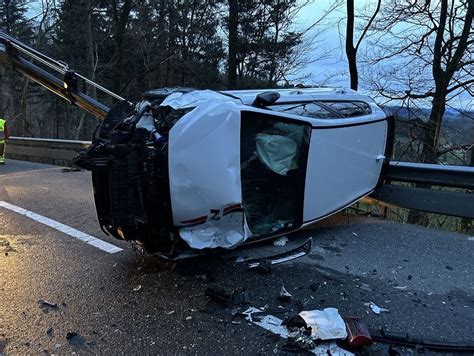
pixel 345 158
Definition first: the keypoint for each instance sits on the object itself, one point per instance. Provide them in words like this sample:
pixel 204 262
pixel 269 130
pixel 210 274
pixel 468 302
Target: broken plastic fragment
pixel 285 296
pixel 137 288
pixel 268 322
pixel 357 333
pixel 275 325
pixel 375 308
pixel 325 324
pixel 281 241
pixel 227 232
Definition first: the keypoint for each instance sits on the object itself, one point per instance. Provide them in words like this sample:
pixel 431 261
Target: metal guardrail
pixel 428 195
pixel 425 197
pixel 50 151
pixel 430 174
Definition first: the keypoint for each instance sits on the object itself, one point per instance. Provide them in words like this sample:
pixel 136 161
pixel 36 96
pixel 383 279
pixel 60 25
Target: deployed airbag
pixel 278 153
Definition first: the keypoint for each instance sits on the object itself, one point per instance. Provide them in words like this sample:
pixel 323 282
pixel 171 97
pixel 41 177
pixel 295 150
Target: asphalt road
pixel 126 303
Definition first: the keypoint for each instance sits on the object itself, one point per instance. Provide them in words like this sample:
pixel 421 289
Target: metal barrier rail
pixel 430 174
pixel 43 150
pixel 430 199
pixel 428 196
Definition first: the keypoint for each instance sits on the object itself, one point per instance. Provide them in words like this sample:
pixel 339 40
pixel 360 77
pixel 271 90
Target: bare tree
pixel 426 50
pixel 233 24
pixel 351 49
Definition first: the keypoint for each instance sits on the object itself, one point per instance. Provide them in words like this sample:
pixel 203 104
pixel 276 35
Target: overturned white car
pixel 200 169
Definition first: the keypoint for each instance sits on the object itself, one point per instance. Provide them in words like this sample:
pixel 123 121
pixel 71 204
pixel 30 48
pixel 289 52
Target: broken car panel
pixel 192 169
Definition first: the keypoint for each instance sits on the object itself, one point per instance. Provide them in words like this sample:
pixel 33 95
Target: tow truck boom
pixel 64 81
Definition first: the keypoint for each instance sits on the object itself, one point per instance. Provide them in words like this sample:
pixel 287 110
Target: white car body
pixel 344 160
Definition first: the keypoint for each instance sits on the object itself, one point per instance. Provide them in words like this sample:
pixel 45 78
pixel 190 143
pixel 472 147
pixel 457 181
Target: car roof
pixel 286 95
pixel 302 94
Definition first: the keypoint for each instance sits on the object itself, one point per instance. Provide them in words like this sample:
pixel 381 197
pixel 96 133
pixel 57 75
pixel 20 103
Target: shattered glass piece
pixel 375 308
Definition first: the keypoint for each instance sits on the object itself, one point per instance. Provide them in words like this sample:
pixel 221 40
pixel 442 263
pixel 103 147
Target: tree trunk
pixel 350 49
pixel 467 225
pixel 163 48
pixel 233 45
pixel 121 16
pixel 429 149
pixel 25 125
pixel 91 64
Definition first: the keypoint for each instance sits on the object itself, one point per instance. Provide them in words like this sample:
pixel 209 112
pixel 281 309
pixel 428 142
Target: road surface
pixel 121 302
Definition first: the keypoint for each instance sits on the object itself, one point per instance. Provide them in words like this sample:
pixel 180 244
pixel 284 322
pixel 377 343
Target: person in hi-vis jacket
pixel 3 139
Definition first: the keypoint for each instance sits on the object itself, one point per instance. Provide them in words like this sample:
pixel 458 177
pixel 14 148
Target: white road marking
pixel 91 240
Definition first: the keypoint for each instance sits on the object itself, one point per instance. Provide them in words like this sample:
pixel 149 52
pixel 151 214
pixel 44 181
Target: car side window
pixel 324 109
pixel 349 108
pixel 308 109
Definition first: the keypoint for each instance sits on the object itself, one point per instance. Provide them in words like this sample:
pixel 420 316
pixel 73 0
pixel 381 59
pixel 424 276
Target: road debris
pixel 285 296
pixel 238 296
pixel 405 340
pixel 75 339
pixel 325 324
pixel 299 338
pixel 47 305
pixel 375 308
pixel 365 286
pixel 239 259
pixel 70 169
pixel 357 333
pixel 281 241
pixel 287 256
pixel 137 288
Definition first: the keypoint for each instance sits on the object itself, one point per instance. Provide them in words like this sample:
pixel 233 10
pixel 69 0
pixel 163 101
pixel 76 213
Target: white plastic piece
pixel 281 241
pixel 375 308
pixel 268 322
pixel 146 122
pixel 325 324
pixel 273 324
pixel 227 232
pixel 140 105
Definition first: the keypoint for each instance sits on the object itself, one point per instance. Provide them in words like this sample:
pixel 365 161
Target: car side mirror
pixel 266 98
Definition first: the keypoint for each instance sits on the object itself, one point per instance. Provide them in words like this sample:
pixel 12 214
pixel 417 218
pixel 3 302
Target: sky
pixel 333 70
